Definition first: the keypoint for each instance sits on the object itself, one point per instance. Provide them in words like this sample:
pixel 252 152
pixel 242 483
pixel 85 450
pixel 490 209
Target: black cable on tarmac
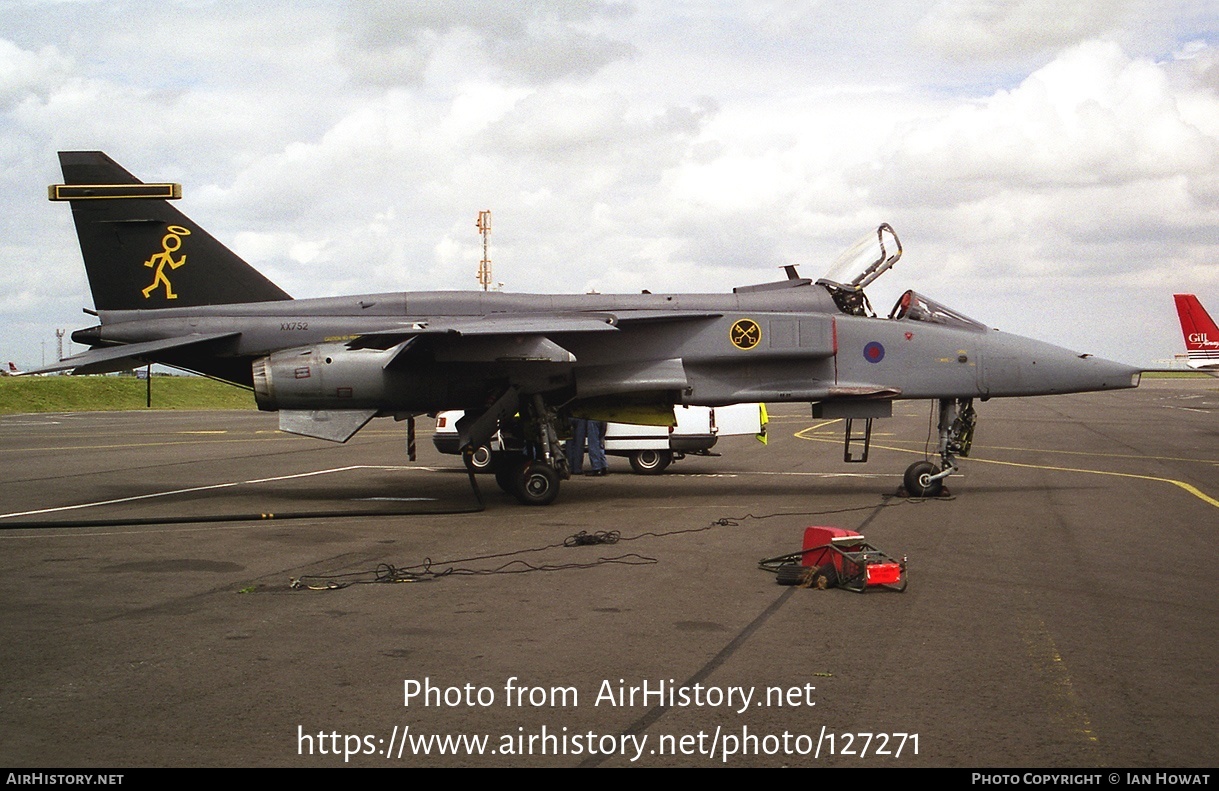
pixel 430 570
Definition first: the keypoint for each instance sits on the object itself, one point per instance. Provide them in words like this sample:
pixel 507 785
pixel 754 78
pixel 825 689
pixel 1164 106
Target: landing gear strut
pixel 957 421
pixel 531 471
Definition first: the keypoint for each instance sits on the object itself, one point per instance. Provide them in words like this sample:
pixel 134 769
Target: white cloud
pixel 26 75
pixel 675 146
pixel 1092 116
pixel 536 41
pixel 1000 28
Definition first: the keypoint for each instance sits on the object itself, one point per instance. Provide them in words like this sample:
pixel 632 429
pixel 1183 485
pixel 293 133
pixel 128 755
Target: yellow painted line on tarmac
pixel 1195 491
pixel 1066 706
pixel 801 433
pixel 1130 456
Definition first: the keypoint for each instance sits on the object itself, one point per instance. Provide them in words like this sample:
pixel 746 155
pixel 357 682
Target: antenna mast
pixel 484 266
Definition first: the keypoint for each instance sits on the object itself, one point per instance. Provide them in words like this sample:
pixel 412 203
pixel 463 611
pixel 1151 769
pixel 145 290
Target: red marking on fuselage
pixel 834 334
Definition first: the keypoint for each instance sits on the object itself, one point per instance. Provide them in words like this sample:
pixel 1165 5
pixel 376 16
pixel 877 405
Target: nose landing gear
pixel 957 422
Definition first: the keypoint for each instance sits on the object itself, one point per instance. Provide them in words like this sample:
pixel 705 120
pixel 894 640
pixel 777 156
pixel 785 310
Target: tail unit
pixel 1201 334
pixel 140 252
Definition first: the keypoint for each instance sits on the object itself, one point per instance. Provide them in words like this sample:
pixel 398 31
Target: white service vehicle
pixel 650 449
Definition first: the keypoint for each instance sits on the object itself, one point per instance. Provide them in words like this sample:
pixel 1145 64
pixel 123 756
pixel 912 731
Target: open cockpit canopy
pixel 862 263
pixel 868 259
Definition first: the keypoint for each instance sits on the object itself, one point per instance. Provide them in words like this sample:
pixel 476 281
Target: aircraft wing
pixel 656 316
pixel 123 358
pixel 470 326
pixel 542 324
pixel 518 325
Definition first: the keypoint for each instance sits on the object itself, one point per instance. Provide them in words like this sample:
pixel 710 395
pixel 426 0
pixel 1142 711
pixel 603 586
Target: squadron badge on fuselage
pixel 745 334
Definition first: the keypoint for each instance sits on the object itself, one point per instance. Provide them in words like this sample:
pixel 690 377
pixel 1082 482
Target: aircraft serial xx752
pixel 166 291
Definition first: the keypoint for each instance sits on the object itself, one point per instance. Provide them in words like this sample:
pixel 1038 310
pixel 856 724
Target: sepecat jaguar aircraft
pixel 165 291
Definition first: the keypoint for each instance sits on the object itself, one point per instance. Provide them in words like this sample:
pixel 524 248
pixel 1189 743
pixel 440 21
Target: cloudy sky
pixel 1052 168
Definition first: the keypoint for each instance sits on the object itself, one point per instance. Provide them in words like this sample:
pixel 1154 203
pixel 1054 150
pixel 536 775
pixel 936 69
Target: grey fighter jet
pixel 165 291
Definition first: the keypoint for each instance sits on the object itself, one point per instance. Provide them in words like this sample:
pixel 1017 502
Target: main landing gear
pixel 531 482
pixel 957 421
pixel 533 462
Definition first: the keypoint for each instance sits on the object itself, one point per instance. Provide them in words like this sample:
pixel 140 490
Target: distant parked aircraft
pixel 1201 334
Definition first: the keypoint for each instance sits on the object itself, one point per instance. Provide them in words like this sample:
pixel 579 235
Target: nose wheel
pixel 919 480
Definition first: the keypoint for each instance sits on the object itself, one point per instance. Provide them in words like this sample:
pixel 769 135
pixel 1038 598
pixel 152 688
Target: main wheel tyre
pixel 478 460
pixel 917 480
pixel 650 462
pixel 538 485
pixel 508 469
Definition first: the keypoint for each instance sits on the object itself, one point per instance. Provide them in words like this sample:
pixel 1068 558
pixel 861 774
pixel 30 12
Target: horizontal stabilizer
pixel 336 425
pixel 108 359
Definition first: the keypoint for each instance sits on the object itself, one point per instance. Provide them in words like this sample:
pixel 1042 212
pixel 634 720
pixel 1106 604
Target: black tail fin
pixel 142 253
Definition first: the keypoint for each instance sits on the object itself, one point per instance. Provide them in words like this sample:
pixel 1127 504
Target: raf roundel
pixel 874 352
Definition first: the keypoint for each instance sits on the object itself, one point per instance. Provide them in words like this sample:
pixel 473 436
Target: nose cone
pixel 1016 366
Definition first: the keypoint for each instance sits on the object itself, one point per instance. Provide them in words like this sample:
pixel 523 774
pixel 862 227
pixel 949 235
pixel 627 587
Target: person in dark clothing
pixel 592 432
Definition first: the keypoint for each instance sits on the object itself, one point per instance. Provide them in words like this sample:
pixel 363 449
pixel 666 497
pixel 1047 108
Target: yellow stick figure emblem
pixel 169 245
pixel 745 334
